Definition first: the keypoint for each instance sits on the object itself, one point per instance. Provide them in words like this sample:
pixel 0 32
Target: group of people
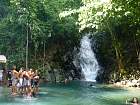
pixel 24 82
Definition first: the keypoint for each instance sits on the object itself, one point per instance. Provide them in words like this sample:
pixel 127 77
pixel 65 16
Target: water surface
pixel 74 93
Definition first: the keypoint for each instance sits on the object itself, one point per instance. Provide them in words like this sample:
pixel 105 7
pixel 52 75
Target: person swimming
pixel 134 101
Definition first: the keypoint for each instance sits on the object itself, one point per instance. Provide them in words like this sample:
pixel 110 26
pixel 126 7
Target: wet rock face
pixel 71 66
pixel 101 46
pixel 69 69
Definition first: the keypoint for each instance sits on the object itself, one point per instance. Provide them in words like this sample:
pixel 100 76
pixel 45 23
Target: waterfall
pixel 88 61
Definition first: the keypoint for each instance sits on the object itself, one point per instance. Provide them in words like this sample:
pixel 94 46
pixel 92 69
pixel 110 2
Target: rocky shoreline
pixel 128 83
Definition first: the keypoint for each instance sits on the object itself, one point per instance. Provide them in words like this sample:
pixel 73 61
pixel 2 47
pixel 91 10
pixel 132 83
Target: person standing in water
pixel 14 81
pixel 25 82
pixel 30 82
pixel 36 82
pixel 20 79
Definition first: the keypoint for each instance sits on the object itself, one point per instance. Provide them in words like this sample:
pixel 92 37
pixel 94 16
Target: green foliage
pixel 48 35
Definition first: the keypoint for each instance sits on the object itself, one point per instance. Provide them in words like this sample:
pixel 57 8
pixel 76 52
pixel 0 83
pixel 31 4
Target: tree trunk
pixel 137 48
pixel 44 56
pixel 27 42
pixel 118 53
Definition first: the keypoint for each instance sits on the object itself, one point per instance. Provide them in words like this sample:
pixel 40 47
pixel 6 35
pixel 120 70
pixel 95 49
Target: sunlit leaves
pixel 90 14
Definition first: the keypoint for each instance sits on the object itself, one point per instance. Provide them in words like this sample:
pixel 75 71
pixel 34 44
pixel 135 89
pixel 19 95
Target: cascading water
pixel 88 61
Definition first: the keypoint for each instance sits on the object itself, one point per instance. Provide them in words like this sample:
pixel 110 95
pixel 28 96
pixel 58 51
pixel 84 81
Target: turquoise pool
pixel 74 93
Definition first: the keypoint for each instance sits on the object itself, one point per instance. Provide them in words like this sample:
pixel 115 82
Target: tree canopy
pixel 51 31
